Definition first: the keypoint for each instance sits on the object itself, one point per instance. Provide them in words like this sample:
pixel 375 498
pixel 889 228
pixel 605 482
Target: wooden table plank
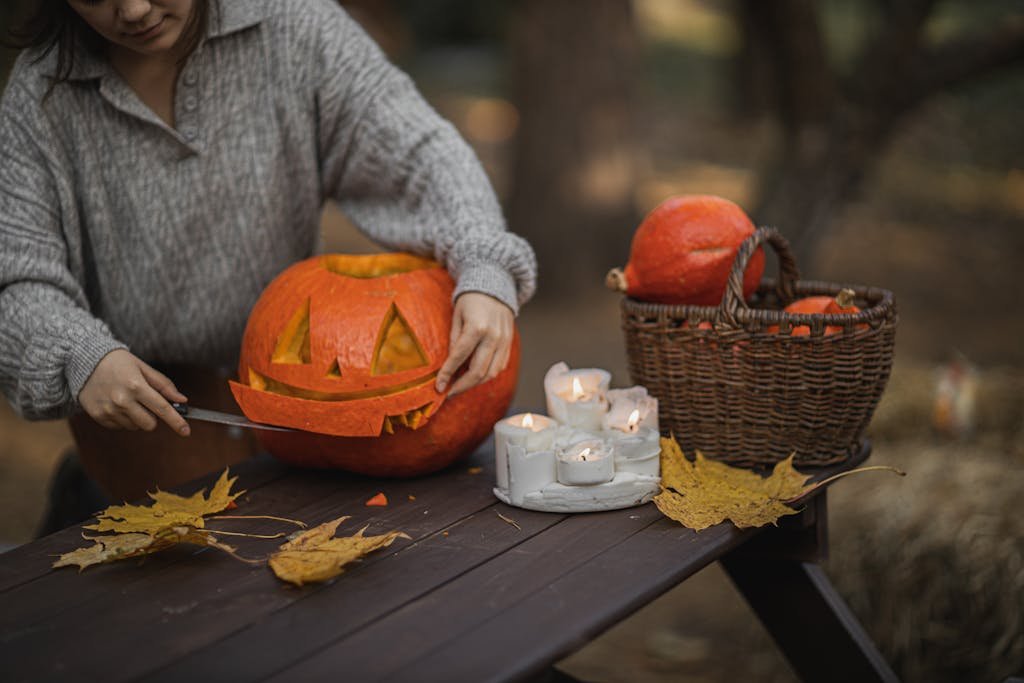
pixel 357 600
pixel 457 608
pixel 206 596
pixel 527 637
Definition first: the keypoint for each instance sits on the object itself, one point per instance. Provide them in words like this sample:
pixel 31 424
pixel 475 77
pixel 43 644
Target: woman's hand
pixel 482 327
pixel 123 392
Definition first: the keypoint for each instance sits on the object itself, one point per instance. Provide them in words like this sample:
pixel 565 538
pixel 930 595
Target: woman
pixel 166 159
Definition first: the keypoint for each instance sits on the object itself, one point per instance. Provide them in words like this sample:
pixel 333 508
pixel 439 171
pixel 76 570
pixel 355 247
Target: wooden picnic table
pixel 470 597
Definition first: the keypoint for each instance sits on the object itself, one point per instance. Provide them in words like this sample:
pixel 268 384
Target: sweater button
pixel 191 77
pixel 191 103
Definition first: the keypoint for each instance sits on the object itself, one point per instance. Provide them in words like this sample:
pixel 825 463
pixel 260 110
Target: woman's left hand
pixel 482 327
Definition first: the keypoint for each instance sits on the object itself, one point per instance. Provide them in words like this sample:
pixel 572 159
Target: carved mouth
pixel 410 419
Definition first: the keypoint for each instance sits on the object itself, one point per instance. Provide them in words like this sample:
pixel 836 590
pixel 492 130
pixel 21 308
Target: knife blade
pixel 193 413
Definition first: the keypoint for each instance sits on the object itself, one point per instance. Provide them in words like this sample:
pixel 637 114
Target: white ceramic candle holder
pixel 585 462
pixel 577 398
pixel 629 409
pixel 531 431
pixel 598 450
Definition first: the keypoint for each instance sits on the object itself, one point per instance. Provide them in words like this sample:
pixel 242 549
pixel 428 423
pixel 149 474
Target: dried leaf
pixel 124 546
pixel 705 492
pixel 315 555
pixel 380 500
pixel 168 510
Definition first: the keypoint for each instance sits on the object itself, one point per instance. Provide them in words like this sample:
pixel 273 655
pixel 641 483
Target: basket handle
pixel 732 300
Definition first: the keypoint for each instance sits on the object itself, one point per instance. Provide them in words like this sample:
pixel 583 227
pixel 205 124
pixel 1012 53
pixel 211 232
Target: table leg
pixel 778 575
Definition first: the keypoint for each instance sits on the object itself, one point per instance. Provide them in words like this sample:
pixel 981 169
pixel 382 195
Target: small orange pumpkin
pixel 347 348
pixel 842 303
pixel 683 251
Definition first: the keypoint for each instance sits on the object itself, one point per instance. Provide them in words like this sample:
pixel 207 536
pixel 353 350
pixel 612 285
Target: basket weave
pixel 743 395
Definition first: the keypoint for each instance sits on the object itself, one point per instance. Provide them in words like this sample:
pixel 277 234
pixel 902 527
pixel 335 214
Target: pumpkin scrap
pixel 705 492
pixel 380 500
pixel 316 555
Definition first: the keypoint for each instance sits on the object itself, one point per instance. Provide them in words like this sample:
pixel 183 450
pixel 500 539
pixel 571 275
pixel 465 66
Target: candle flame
pixel 528 421
pixel 584 453
pixel 577 388
pixel 634 418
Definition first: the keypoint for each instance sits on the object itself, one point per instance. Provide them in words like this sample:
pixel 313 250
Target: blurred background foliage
pixel 884 138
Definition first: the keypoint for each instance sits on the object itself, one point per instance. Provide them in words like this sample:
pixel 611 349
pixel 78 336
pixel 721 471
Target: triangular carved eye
pixel 334 372
pixel 293 343
pixel 397 348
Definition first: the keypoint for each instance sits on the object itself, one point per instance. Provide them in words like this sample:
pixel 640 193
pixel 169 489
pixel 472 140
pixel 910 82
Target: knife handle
pixel 180 408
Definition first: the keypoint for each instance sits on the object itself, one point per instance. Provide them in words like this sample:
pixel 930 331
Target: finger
pixel 161 383
pixel 458 353
pixel 482 358
pixel 500 361
pixel 158 406
pixel 122 421
pixel 444 375
pixel 140 417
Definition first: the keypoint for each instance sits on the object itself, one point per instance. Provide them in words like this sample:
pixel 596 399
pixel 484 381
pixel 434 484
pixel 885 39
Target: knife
pixel 192 413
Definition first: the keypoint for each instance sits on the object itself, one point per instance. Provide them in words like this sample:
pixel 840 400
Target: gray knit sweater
pixel 117 230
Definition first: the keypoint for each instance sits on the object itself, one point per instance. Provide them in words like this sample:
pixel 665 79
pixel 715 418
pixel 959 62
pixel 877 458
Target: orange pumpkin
pixel 683 251
pixel 842 303
pixel 347 348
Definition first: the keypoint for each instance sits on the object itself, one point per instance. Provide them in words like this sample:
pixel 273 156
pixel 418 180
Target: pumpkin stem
pixel 615 280
pixel 844 299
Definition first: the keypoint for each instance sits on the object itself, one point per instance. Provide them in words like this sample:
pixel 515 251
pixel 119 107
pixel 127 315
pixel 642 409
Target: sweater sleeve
pixel 49 342
pixel 403 173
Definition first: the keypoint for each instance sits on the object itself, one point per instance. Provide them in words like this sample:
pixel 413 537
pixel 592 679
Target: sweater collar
pixel 226 17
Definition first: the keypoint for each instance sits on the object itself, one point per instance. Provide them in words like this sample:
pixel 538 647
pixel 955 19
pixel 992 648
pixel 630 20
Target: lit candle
pixel 624 402
pixel 577 398
pixel 530 431
pixel 585 462
pixel 638 452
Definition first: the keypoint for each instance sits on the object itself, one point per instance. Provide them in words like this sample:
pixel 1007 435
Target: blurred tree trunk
pixel 574 65
pixel 835 126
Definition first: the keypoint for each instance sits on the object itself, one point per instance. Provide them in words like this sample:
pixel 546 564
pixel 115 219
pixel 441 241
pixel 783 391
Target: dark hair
pixel 52 24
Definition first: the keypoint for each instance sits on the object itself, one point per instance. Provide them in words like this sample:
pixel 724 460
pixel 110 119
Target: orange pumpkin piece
pixel 683 251
pixel 380 500
pixel 842 303
pixel 347 348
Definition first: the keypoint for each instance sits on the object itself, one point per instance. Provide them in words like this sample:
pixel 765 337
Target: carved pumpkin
pixel 348 348
pixel 683 250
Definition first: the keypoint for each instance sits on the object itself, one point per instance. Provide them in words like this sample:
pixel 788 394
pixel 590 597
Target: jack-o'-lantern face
pixel 347 345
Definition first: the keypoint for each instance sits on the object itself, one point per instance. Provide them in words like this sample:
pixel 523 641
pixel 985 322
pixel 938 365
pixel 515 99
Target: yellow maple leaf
pixel 132 544
pixel 168 510
pixel 316 555
pixel 705 492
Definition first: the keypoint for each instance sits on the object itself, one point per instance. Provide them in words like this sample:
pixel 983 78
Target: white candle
pixel 531 431
pixel 624 402
pixel 638 452
pixel 528 472
pixel 585 462
pixel 577 397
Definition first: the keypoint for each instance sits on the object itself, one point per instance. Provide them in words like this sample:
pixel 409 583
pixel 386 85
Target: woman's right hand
pixel 124 392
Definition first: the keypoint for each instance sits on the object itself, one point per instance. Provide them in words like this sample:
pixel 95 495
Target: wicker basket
pixel 744 395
